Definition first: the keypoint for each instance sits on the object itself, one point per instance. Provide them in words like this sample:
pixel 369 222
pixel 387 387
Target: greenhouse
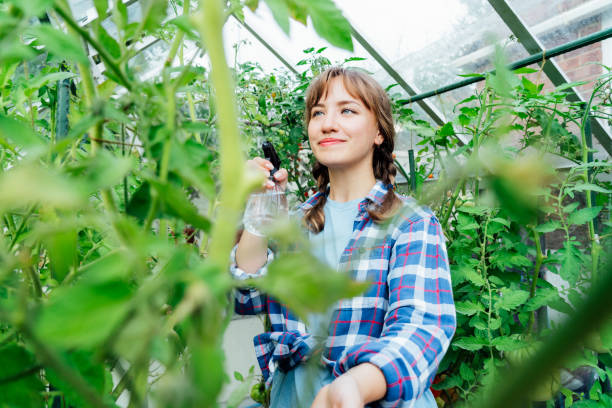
pixel 318 203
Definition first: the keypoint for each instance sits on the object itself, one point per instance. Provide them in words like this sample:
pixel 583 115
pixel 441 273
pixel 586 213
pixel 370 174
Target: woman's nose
pixel 329 122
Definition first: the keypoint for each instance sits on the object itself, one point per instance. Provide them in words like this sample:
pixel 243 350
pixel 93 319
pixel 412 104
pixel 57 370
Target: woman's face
pixel 342 131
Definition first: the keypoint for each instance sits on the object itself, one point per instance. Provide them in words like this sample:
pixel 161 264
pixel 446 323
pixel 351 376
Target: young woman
pixel 384 346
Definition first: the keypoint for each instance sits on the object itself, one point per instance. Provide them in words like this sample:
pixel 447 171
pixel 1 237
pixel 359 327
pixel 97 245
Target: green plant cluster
pixel 500 199
pixel 120 198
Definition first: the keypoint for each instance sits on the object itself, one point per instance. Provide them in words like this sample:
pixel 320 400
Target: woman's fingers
pixel 263 165
pixel 281 177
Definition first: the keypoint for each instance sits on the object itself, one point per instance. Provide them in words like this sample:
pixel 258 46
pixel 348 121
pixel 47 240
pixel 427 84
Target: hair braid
pixel 314 218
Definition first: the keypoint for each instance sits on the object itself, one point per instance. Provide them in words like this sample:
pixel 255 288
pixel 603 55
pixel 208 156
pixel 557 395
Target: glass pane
pixel 301 38
pixel 430 43
pixel 241 46
pixel 558 22
pixel 83 10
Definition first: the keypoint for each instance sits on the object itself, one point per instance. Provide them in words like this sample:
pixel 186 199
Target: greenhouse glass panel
pixel 302 38
pixel 555 23
pixel 434 41
pixel 241 46
pixel 83 10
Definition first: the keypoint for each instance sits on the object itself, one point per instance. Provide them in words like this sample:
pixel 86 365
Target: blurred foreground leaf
pixel 19 390
pixel 83 315
pixel 305 284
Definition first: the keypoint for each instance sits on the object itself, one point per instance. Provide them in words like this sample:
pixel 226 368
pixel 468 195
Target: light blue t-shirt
pixel 328 246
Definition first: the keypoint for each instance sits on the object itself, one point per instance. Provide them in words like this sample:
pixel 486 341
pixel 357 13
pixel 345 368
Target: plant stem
pixel 51 360
pixel 232 196
pixel 109 62
pixel 536 274
pixel 451 204
pixel 483 264
pixel 33 275
pixel 21 226
pixel 178 39
pixel 26 75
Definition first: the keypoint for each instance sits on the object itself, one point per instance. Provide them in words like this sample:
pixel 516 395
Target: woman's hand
pixel 360 385
pixel 263 165
pixel 343 392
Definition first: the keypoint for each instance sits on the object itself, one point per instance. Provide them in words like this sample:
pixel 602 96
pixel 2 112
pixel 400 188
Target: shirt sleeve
pixel 420 320
pixel 248 301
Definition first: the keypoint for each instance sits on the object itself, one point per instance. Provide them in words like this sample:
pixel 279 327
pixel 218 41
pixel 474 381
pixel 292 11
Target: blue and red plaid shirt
pixel 403 323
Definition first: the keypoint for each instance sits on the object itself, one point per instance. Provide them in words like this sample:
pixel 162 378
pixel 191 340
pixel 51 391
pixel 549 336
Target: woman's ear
pixel 379 139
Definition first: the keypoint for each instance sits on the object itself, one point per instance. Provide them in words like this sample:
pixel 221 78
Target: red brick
pixel 570 64
pixel 592 56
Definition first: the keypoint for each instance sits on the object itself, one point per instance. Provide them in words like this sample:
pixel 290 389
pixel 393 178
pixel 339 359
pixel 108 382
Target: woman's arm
pixel 357 387
pixel 420 320
pixel 251 251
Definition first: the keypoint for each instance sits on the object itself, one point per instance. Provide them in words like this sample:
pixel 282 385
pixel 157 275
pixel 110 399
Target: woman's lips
pixel 330 141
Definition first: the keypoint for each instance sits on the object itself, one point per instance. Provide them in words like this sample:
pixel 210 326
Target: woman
pixel 382 347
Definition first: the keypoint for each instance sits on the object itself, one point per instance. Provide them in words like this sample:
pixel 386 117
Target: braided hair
pixel 375 99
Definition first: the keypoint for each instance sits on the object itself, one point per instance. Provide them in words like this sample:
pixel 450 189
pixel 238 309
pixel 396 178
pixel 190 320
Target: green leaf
pixel 591 187
pixel 108 42
pixel 583 215
pixel 92 371
pixel 120 15
pixel 61 244
pixel 191 162
pixel 25 391
pixel 101 8
pixel 549 226
pixel 571 262
pixel 468 308
pixel 469 343
pixel 252 4
pixel 59 44
pixel 95 305
pixel 329 23
pixel 280 12
pixel 20 135
pixel 140 202
pixel 305 285
pixel 568 85
pixel 501 221
pixel 571 207
pixel 32 184
pixel 40 81
pixel 34 8
pixel 184 24
pixel 101 171
pixel 529 86
pixel 474 277
pixel 466 372
pixel 176 204
pixel 505 343
pixel 511 298
pixel 525 70
pixel 478 210
pixel 154 11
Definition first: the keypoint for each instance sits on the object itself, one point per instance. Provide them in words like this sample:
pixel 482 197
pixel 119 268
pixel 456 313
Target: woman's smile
pixel 330 141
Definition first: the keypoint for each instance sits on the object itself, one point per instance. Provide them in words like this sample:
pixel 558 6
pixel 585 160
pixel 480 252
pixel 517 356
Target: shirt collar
pixel 376 195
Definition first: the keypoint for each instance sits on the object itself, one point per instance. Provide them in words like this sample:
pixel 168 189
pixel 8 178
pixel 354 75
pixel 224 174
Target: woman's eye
pixel 316 113
pixel 347 110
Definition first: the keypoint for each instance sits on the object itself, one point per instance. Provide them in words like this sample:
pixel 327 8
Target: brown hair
pixel 372 95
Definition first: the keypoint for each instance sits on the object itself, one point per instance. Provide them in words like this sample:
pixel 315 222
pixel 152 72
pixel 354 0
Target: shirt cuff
pixel 239 274
pixel 399 386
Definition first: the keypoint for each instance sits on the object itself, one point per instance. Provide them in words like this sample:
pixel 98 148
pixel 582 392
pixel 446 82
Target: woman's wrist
pixel 370 381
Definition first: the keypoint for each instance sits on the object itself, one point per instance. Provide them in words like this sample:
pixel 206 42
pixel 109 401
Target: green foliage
pixel 113 231
pixel 105 262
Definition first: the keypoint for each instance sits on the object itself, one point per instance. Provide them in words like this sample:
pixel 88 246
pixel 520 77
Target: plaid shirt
pixel 403 323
